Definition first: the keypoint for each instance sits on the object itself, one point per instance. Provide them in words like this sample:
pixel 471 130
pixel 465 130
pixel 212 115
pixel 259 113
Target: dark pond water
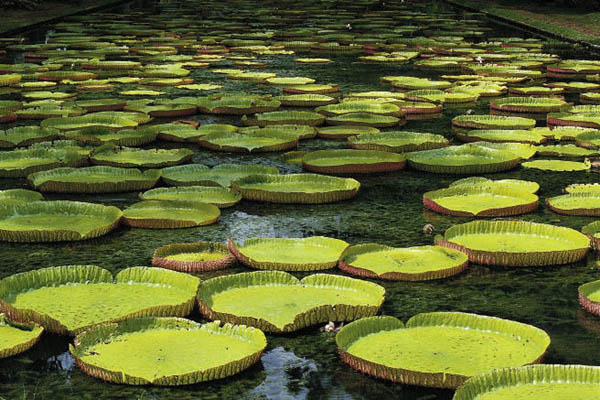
pixel 388 210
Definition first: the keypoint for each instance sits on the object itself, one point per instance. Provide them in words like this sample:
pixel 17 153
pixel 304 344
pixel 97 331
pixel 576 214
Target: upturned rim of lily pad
pixel 161 254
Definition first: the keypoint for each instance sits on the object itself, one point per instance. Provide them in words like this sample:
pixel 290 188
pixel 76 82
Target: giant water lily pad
pixel 405 264
pixel 566 150
pixel 398 141
pixel 254 141
pixel 352 161
pixel 138 158
pixel 511 184
pixel 169 351
pixel 503 135
pixel 193 257
pixel 465 159
pixel 220 175
pixel 26 135
pixel 276 301
pixel 366 119
pixel 53 221
pixel 289 254
pixel 469 122
pixel 286 118
pixel 516 243
pixel 550 382
pixel 557 165
pixel 480 201
pixel 529 104
pixel 167 214
pixel 98 179
pixel 20 163
pixel 296 188
pixel 123 137
pixel 439 349
pixel 97 120
pixel 16 337
pixel 70 299
pixel 219 196
pixel 589 297
pixel 576 204
pixel 16 196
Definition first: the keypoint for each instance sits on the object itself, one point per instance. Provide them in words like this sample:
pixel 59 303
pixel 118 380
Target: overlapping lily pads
pixel 516 243
pixel 170 351
pixel 70 299
pixel 276 301
pixel 289 254
pixel 405 264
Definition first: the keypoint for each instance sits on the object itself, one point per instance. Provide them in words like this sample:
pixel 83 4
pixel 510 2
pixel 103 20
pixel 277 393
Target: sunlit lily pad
pixel 254 141
pixel 345 131
pixel 296 188
pixel 398 141
pixel 132 157
pixel 589 297
pixel 70 299
pixel 276 301
pixel 26 135
pixel 557 165
pixel 219 196
pixel 170 351
pixel 193 257
pixel 465 159
pixel 55 221
pixel 15 196
pixel 89 121
pixel 289 254
pixel 529 104
pixel 502 135
pixel 17 337
pixel 510 184
pixel 98 179
pixel 480 201
pixel 168 214
pixel 566 150
pixel 516 243
pixel 439 349
pixel 550 382
pixel 352 161
pixel 576 204
pixel 469 122
pixel 366 119
pixel 220 175
pixel 20 163
pixel 405 264
pixel 286 118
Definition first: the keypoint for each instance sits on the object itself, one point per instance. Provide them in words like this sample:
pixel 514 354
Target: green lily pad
pixel 589 139
pixel 406 264
pixel 195 353
pixel 98 179
pixel 589 296
pixel 275 301
pixel 368 106
pixel 470 122
pixel 345 131
pixel 296 188
pixel 439 349
pixel 138 158
pixel 20 163
pixel 89 121
pixel 566 150
pixel 583 120
pixel 301 131
pixel 480 201
pixel 15 196
pixel 502 135
pixel 576 204
pixel 510 184
pixel 466 159
pixel 583 188
pixel 254 141
pixel 16 337
pixel 165 214
pixel 218 196
pixel 516 243
pixel 220 175
pixel 366 119
pixel 193 257
pixel 398 141
pixel 557 165
pixel 352 161
pixel 286 118
pixel 54 221
pixel 26 135
pixel 123 137
pixel 305 100
pixel 70 299
pixel 289 254
pixel 187 133
pixel 529 104
pixel 551 382
pixel 236 104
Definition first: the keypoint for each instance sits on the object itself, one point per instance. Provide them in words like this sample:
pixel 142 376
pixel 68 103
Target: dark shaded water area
pixel 388 210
